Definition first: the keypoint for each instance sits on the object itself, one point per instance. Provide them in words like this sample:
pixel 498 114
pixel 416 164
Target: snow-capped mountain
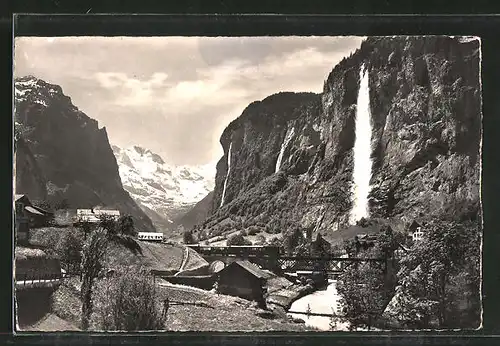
pixel 163 191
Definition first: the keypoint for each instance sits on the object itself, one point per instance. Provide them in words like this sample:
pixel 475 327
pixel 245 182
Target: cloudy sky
pixel 175 95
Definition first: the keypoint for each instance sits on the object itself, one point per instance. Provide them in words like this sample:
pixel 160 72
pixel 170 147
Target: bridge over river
pixel 274 259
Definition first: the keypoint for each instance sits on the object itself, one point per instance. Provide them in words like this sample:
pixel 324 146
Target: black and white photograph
pixel 247 184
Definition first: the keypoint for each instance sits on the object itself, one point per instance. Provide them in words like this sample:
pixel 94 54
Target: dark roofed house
pixel 22 229
pixel 28 215
pixel 245 280
pixel 38 217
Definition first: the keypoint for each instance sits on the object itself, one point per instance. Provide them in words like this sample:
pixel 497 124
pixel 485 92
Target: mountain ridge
pixel 426 125
pixel 66 153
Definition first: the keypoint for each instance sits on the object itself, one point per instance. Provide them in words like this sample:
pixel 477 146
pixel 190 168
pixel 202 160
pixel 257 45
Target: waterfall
pixel 287 140
pixel 227 174
pixel 362 151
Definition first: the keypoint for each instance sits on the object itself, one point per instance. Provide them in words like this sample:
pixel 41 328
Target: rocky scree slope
pixel 61 153
pixel 164 192
pixel 425 102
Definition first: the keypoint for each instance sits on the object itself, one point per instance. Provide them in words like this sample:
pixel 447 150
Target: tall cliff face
pixel 68 149
pixel 425 103
pixel 256 138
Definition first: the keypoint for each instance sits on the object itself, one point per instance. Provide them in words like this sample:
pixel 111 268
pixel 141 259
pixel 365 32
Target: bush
pixel 275 241
pixel 188 238
pixel 253 230
pixel 129 301
pixel 69 250
pixel 237 239
pixel 123 226
pixel 126 226
pixel 109 224
pixel 260 240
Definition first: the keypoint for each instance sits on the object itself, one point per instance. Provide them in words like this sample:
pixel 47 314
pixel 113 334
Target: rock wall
pixel 70 152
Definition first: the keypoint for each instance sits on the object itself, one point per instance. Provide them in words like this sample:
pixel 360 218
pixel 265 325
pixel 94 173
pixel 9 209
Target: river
pixel 322 302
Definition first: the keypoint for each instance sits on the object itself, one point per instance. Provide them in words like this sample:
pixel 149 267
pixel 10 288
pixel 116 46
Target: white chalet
pixel 93 215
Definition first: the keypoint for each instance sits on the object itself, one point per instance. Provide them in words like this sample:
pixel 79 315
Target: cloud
pixel 132 91
pixel 175 95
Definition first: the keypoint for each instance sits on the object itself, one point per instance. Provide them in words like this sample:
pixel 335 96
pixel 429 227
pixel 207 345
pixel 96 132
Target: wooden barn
pixel 243 279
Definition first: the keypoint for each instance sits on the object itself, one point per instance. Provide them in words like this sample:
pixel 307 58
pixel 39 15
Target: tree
pixel 126 226
pixel 274 241
pixel 363 293
pixel 188 237
pixel 438 274
pixel 129 301
pixel 367 287
pixel 93 254
pixel 253 230
pixel 237 239
pixel 69 250
pixel 108 223
pixel 86 227
pixel 294 241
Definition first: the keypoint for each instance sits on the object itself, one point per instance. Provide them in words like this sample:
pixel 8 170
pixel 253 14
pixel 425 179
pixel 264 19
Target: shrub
pixel 253 230
pixel 69 250
pixel 125 226
pixel 237 239
pixel 129 301
pixel 109 224
pixel 275 241
pixel 188 238
pixel 260 240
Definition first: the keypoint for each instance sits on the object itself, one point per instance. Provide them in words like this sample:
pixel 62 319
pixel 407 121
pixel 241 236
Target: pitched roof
pixel 252 269
pixel 20 196
pixel 43 211
pixel 33 210
pixel 98 212
pixel 350 232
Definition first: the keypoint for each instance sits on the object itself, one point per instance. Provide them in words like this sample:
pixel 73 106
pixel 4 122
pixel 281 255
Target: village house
pixel 245 280
pixel 320 246
pixel 94 215
pixel 22 221
pixel 28 216
pixel 415 230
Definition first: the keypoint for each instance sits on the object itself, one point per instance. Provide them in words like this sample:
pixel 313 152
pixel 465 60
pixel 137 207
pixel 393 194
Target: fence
pixel 27 280
pixel 205 282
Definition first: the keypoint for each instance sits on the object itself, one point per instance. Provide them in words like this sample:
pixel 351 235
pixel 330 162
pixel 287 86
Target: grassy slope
pixel 223 313
pixel 157 256
pixel 220 313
